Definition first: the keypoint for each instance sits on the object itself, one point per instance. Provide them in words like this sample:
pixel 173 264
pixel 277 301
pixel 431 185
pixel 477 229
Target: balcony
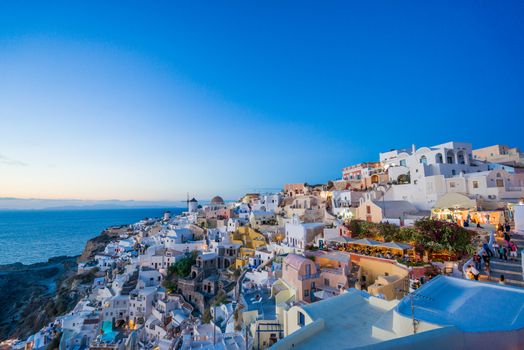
pixel 310 276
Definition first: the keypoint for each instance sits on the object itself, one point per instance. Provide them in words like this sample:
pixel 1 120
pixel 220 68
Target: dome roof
pixel 217 200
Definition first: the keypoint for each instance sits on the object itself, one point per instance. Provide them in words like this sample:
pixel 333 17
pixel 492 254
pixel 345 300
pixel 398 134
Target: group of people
pixel 483 262
pixel 508 247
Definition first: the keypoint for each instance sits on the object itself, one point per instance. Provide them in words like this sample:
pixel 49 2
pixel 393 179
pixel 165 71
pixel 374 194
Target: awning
pixel 455 200
pixel 395 245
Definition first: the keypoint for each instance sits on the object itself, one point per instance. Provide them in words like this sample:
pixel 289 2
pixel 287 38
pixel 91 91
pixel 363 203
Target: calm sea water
pixel 37 235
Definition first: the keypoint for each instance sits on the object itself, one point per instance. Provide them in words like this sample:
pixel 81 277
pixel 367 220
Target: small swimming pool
pixel 109 334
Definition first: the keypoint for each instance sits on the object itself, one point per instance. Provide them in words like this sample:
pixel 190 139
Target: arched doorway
pixel 450 157
pixel 461 159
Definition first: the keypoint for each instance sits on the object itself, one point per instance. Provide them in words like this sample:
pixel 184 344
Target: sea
pixel 31 236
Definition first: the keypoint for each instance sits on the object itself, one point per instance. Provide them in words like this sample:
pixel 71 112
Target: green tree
pixel 182 268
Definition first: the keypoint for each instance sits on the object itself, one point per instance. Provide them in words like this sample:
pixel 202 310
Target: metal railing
pixel 310 276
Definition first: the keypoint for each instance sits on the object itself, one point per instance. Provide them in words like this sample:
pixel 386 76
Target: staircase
pixel 511 269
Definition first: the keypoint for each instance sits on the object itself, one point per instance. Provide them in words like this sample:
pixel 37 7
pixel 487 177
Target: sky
pixel 151 100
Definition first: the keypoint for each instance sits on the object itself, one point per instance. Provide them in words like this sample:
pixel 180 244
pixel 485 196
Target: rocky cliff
pixel 33 295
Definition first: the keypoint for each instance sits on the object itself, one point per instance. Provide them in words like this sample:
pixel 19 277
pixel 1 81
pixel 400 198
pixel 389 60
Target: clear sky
pixel 150 101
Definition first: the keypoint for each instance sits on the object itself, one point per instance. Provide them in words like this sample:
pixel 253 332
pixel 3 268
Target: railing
pixel 514 189
pixel 470 261
pixel 310 276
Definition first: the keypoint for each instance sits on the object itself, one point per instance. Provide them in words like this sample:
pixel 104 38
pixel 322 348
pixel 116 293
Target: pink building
pixel 301 274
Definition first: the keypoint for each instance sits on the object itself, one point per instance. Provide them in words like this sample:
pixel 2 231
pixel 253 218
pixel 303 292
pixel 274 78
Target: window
pixel 453 172
pixel 403 162
pixel 452 185
pixel 368 209
pixel 301 319
pixel 475 184
pixel 326 282
pixel 423 160
pixel 306 293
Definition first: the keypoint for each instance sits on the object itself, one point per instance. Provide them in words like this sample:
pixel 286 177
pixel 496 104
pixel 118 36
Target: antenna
pixel 412 296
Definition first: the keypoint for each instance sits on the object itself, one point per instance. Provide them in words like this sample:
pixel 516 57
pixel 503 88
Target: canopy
pixel 365 241
pixel 395 245
pixel 455 200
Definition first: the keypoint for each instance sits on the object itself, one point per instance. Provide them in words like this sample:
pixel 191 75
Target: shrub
pixel 182 268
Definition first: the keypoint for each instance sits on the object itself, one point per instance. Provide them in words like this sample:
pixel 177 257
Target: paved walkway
pixel 511 269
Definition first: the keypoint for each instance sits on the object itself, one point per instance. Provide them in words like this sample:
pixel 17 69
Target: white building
pixel 423 175
pixel 268 202
pixel 116 308
pixel 159 258
pixel 258 218
pixel 342 201
pixel 141 302
pixel 148 277
pixel 449 313
pixel 300 234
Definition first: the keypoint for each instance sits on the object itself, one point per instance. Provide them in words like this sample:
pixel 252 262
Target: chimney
pixel 413 148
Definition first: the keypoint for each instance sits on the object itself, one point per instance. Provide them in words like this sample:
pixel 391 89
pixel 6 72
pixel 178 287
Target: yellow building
pixel 249 240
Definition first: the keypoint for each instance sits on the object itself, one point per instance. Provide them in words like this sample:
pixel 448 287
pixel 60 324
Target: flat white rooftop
pixel 471 306
pixel 348 320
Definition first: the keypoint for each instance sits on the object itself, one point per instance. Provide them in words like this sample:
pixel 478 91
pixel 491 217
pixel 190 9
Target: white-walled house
pixel 234 223
pixel 159 258
pixel 242 210
pixel 300 234
pixel 258 218
pixel 141 302
pixel 342 201
pixel 105 261
pixel 398 212
pixel 116 309
pixel 268 202
pixel 421 176
pixel 148 277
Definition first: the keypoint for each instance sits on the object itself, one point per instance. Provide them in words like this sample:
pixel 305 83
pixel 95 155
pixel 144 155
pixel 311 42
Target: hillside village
pixel 404 251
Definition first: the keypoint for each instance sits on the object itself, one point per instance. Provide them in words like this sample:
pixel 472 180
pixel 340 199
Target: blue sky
pixel 148 102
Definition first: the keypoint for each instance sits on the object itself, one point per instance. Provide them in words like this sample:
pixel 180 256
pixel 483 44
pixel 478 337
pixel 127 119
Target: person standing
pixel 507 237
pixel 487 268
pixel 487 249
pixel 475 273
pixel 477 261
pixel 503 253
pixel 485 258
pixel 513 251
pixel 496 247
